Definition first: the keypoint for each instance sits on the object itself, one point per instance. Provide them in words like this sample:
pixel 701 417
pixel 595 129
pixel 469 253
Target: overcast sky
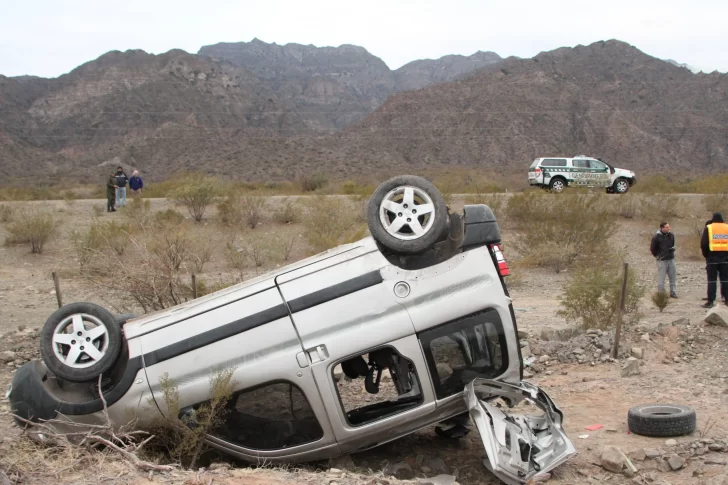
pixel 51 37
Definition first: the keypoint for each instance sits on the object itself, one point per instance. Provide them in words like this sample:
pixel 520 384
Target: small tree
pixel 184 437
pixel 592 297
pixel 253 209
pixel 661 299
pixel 196 194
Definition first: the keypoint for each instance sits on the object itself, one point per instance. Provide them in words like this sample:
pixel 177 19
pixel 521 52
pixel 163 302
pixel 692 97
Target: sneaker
pixel 708 304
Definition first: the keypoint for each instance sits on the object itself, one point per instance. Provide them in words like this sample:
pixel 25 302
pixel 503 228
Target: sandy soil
pixel 588 394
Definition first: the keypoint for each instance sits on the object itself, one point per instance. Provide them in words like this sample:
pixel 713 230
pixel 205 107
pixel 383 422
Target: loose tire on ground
pixel 407 214
pixel 80 341
pixel 662 420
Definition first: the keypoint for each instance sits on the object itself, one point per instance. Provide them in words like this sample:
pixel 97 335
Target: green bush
pixel 592 297
pixel 329 223
pixel 196 194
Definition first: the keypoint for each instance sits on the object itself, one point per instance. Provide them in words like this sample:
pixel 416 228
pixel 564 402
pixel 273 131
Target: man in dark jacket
pixel 663 249
pixel 121 180
pixel 110 192
pixel 714 245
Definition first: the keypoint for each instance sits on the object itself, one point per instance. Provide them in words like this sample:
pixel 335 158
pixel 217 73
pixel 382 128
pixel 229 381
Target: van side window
pixel 597 165
pixel 459 351
pixel 580 163
pixel 273 416
pixel 553 162
pixel 377 385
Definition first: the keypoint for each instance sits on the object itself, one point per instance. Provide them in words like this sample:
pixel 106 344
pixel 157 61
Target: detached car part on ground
pixel 424 298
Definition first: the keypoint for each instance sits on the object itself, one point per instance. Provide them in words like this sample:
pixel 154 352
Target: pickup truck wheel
pixel 407 214
pixel 557 184
pixel 661 420
pixel 621 186
pixel 80 341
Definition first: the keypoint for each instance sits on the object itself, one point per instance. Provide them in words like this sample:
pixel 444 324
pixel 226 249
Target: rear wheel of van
pixel 407 214
pixel 557 184
pixel 620 186
pixel 80 341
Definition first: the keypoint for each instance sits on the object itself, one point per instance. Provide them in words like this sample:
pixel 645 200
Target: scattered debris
pixel 676 462
pixel 594 427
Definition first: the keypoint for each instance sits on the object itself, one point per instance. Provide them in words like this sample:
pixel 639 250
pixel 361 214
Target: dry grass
pixel 312 182
pixel 331 222
pixel 557 230
pixel 287 213
pixel 7 213
pixel 661 299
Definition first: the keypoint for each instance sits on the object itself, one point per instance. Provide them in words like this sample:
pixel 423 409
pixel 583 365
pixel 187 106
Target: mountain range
pixel 260 111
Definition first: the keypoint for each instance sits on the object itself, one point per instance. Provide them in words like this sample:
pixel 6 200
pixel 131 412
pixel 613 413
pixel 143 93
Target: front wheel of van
pixel 407 214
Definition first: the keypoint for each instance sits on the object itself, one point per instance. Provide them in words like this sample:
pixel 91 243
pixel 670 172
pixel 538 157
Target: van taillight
pixel 538 171
pixel 503 269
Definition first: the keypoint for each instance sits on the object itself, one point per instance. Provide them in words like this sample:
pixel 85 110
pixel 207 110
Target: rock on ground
pixel 631 367
pixel 718 315
pixel 612 459
pixel 676 462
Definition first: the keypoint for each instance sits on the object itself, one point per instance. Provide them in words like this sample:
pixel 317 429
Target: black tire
pixel 113 343
pixel 557 182
pixel 662 420
pixel 620 186
pixel 436 223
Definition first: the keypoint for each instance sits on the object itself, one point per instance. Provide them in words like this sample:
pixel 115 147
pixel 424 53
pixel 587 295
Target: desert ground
pixel 684 362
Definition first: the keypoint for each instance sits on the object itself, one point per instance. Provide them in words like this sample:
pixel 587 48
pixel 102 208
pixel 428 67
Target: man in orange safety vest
pixel 714 245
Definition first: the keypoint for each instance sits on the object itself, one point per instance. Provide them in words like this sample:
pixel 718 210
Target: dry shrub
pixel 229 211
pixel 312 182
pixel 592 297
pixel 659 207
pixel 627 206
pixel 149 273
pixel 169 216
pixel 661 299
pixel 196 194
pixel 330 222
pixel 560 229
pixel 201 251
pixel 258 249
pixel 33 227
pixel 287 247
pixel 286 213
pixel 351 187
pixel 253 208
pixel 7 213
pixel 110 234
pixel 717 203
pixel 184 437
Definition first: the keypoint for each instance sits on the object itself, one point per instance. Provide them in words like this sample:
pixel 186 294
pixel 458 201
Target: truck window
pixel 554 162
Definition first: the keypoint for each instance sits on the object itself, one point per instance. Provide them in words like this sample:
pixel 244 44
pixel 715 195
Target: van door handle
pixel 317 354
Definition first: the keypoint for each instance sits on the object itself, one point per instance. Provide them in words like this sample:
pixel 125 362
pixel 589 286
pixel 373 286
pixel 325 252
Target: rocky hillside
pixel 293 109
pixel 333 87
pixel 607 99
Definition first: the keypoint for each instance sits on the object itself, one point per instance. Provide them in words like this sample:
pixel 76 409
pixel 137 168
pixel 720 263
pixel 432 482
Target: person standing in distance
pixel 714 245
pixel 136 184
pixel 121 180
pixel 663 249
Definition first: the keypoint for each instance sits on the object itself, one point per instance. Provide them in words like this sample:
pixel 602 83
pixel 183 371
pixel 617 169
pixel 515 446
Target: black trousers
pixel 717 269
pixel 110 201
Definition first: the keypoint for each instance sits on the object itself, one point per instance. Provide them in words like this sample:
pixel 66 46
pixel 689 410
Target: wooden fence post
pixel 622 296
pixel 194 286
pixel 58 289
